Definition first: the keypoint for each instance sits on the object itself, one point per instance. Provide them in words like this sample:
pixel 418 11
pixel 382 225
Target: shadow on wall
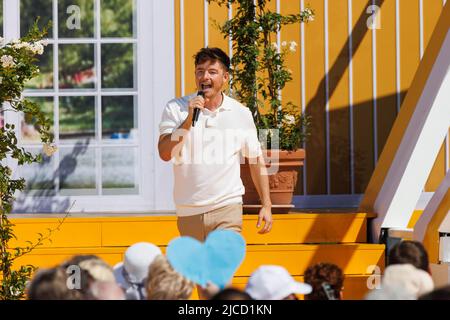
pixel 339 126
pixel 40 195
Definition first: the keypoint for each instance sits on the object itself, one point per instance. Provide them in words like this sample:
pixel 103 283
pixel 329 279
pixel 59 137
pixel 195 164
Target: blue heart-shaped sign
pixel 216 260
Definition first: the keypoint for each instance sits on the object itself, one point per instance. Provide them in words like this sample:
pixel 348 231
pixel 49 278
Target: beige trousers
pixel 200 225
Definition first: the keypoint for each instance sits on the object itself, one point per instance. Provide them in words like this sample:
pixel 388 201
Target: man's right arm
pixel 170 143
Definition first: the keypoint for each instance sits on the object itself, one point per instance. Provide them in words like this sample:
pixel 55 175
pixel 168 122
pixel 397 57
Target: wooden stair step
pixel 124 230
pixel 352 258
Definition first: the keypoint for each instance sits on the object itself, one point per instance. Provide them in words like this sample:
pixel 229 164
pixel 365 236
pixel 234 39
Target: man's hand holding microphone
pixel 195 107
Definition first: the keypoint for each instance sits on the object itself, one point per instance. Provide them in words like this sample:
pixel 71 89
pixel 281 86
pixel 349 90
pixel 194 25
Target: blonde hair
pixel 164 283
pixel 98 269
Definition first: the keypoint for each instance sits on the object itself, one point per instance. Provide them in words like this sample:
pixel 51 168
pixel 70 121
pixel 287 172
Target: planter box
pixel 283 167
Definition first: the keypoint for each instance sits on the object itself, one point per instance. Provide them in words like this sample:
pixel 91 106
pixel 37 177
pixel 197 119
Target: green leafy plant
pixel 17 66
pixel 259 70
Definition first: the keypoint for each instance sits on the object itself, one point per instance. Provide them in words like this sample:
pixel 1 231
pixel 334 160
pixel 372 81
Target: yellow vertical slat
pixel 432 10
pixel 293 90
pixel 193 39
pixel 315 100
pixel 339 98
pixel 177 50
pixel 386 73
pixel 362 96
pixel 217 16
pixel 409 43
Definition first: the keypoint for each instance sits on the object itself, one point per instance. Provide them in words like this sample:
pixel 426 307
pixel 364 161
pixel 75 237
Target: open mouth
pixel 206 86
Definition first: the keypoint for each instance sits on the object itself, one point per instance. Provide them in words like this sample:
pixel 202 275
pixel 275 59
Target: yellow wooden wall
pixel 366 74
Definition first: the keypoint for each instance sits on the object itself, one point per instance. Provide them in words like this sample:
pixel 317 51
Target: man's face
pixel 210 77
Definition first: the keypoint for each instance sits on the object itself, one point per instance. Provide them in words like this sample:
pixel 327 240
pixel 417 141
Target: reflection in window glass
pixel 76 66
pixel 77 170
pixel 30 10
pixel 1 18
pixel 117 65
pixel 28 127
pixel 39 177
pixel 119 118
pixel 76 119
pixel 76 18
pixel 118 171
pixel 117 18
pixel 45 78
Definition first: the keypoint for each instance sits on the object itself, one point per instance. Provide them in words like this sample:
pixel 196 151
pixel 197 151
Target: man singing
pixel 206 157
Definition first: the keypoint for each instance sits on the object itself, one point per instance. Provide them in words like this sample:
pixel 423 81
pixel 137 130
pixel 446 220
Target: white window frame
pixel 155 86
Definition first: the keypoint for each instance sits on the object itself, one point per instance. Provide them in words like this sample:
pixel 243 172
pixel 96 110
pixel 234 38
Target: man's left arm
pixel 260 179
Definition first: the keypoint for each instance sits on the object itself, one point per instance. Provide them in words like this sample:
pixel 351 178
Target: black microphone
pixel 197 110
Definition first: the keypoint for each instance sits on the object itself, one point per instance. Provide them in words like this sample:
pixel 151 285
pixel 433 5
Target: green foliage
pixel 259 71
pixel 17 66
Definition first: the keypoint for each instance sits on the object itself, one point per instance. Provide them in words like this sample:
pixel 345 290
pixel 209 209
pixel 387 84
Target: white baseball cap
pixel 271 282
pixel 136 262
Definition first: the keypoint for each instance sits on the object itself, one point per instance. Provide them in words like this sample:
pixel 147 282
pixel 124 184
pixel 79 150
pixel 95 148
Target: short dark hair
pixel 51 284
pixel 324 273
pixel 212 54
pixel 442 293
pixel 408 251
pixel 231 294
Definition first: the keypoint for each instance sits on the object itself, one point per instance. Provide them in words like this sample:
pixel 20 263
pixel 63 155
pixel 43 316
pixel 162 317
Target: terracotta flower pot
pixel 283 167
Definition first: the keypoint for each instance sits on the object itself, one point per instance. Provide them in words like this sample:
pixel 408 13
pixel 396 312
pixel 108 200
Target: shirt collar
pixel 225 106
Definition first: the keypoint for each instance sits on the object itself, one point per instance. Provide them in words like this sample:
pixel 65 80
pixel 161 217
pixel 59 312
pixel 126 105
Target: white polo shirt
pixel 207 170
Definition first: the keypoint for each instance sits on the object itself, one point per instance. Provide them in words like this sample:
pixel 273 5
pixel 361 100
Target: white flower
pixel 260 29
pixel 292 46
pixel 49 149
pixel 289 119
pixel 37 48
pixel 274 45
pixel 309 14
pixel 7 61
pixel 1 80
pixel 284 43
pixel 43 42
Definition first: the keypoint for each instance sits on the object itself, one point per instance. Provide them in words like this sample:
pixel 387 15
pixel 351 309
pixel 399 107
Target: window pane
pixel 76 18
pixel 77 170
pixel 118 65
pixel 76 66
pixel 117 18
pixel 45 78
pixel 119 171
pixel 28 127
pixel 119 119
pixel 39 177
pixel 30 10
pixel 76 119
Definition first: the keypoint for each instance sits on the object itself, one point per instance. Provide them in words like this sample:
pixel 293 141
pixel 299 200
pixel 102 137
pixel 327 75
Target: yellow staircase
pixel 298 239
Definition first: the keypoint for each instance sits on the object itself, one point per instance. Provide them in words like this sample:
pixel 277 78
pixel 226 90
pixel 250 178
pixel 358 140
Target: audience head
pixel 107 290
pixel 271 282
pixel 51 284
pixel 131 274
pixel 438 294
pixel 412 252
pixel 407 279
pixel 231 294
pixel 164 283
pixel 326 280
